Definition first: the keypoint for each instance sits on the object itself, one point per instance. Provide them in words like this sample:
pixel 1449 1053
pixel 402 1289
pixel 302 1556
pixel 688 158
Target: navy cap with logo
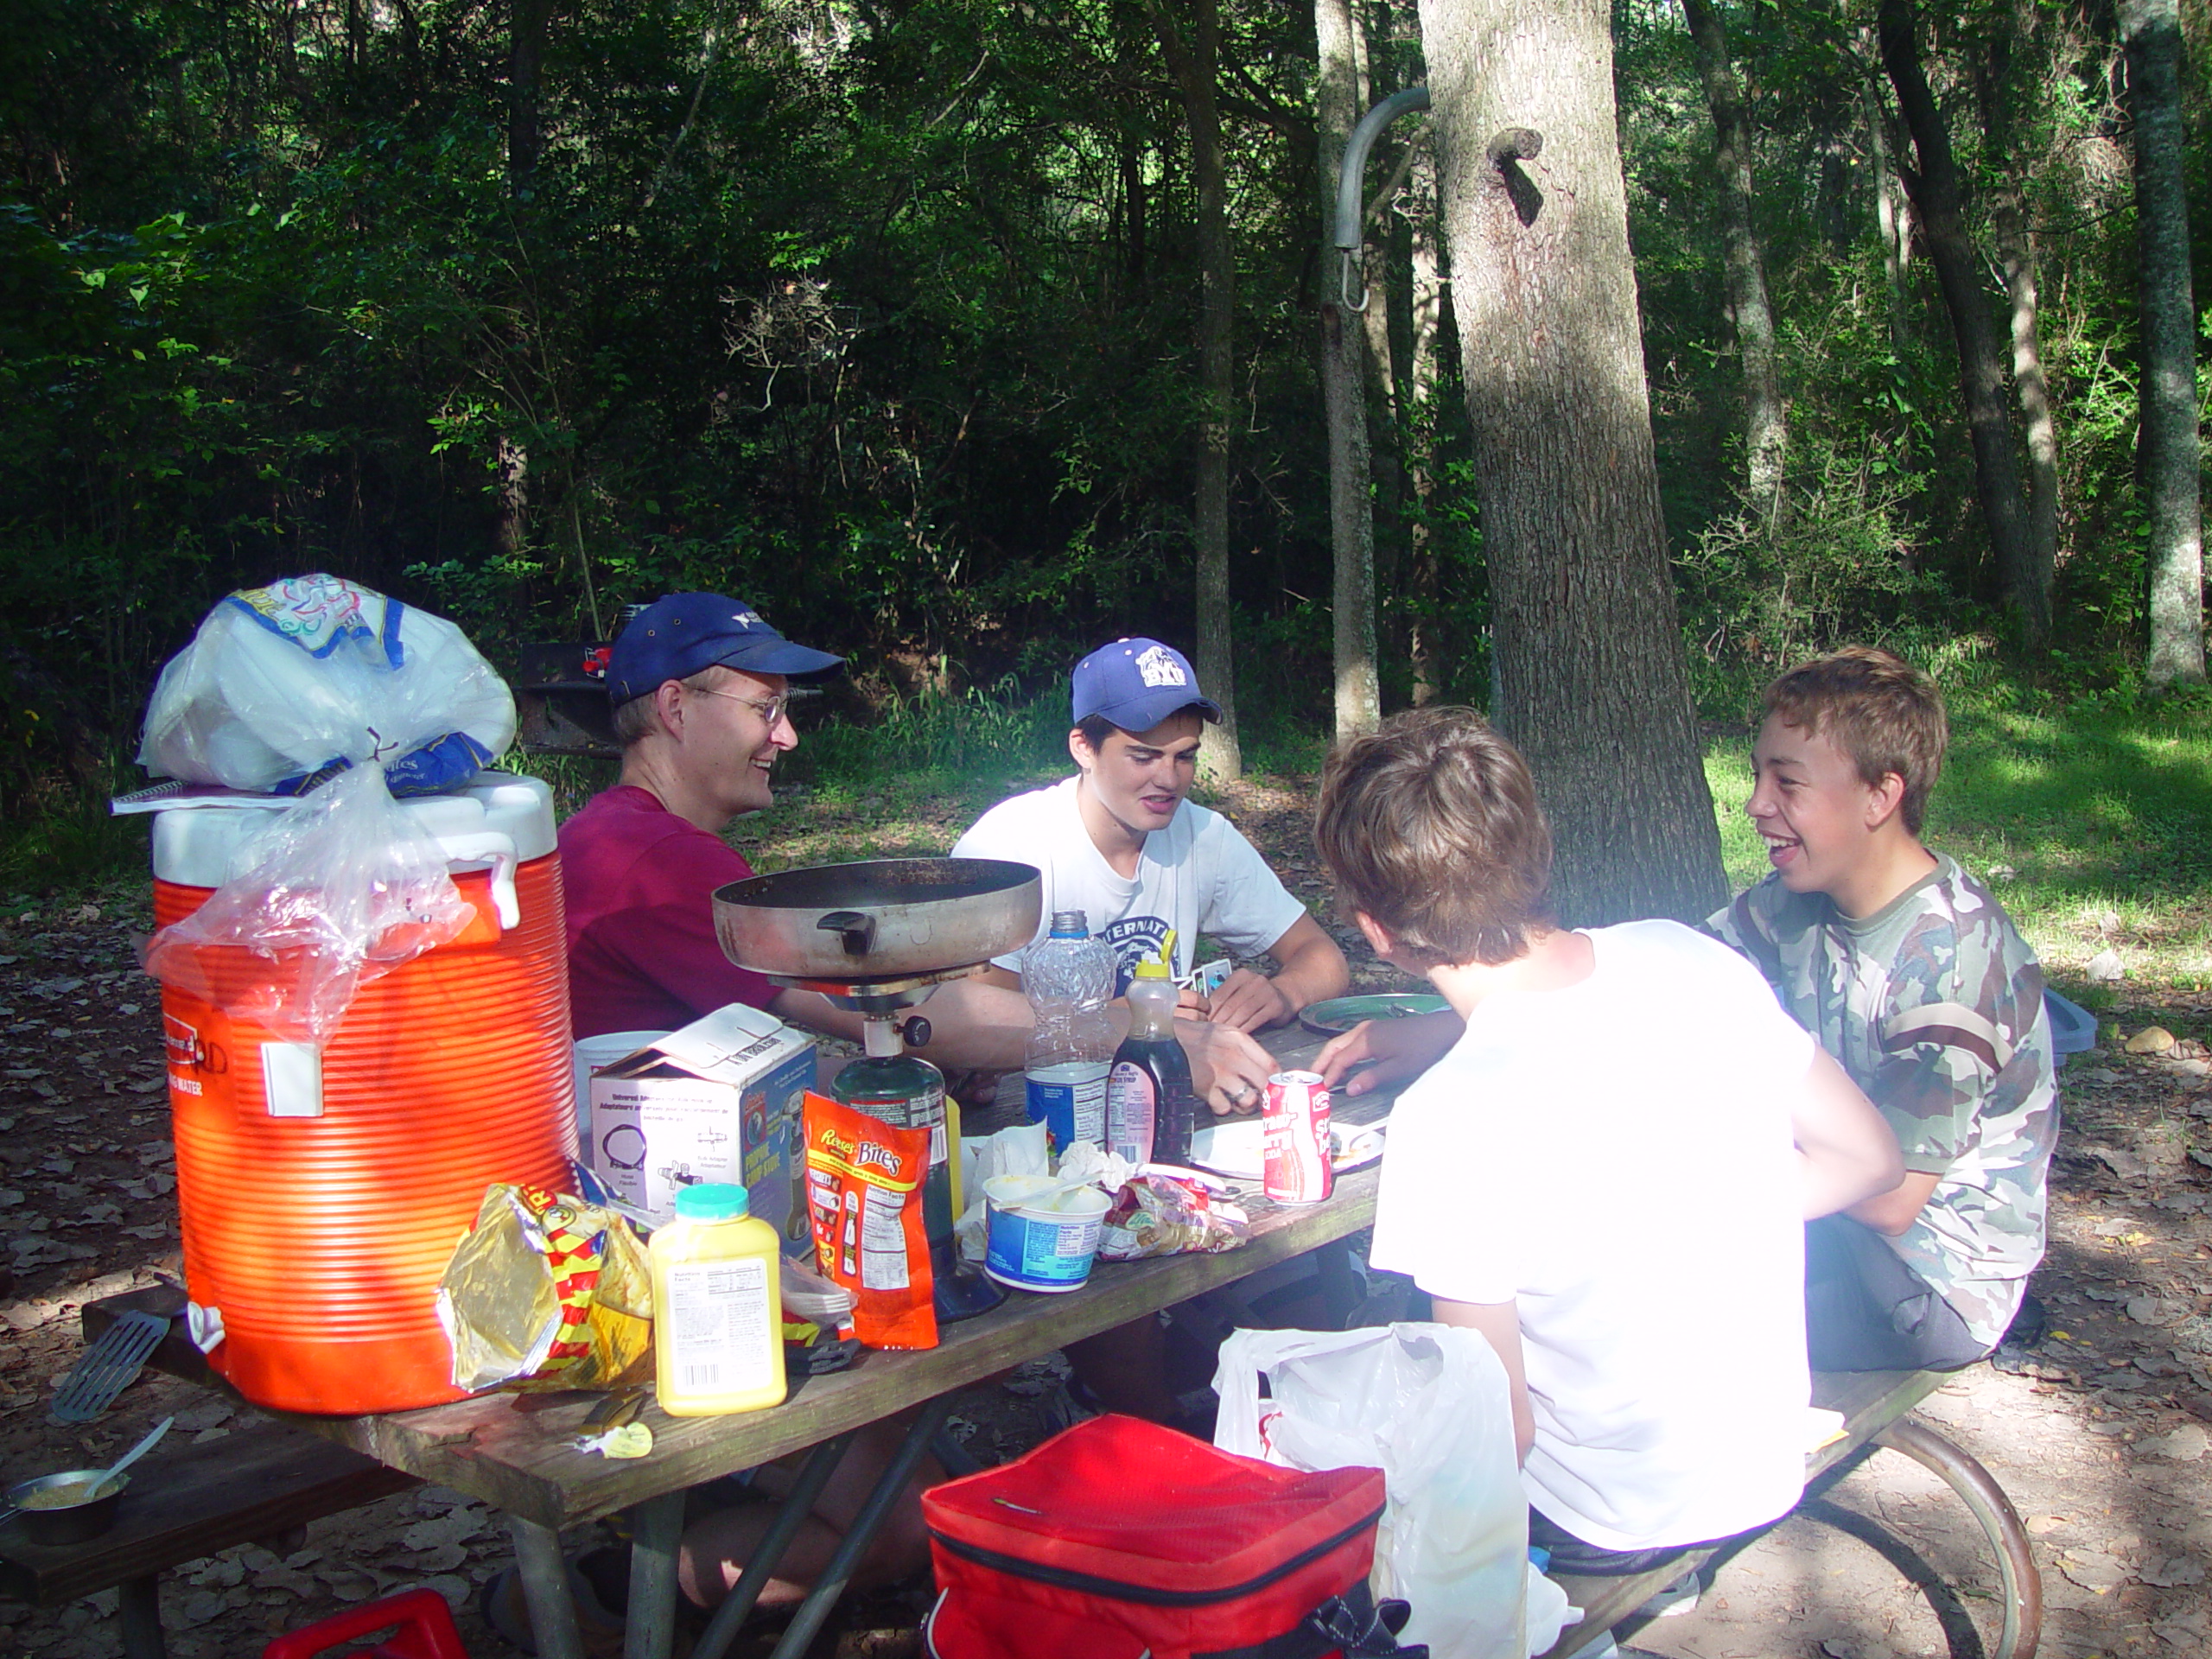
pixel 1136 683
pixel 678 634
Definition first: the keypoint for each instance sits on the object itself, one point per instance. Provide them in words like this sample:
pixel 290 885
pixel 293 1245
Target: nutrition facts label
pixel 883 1242
pixel 717 1325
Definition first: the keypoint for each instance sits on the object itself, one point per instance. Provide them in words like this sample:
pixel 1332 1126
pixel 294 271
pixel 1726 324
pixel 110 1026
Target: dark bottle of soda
pixel 1150 1107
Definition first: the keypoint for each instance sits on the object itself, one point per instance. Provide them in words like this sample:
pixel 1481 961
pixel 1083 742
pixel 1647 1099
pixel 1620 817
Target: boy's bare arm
pixel 1500 1325
pixel 1891 1212
pixel 1379 1053
pixel 1844 1148
pixel 1312 969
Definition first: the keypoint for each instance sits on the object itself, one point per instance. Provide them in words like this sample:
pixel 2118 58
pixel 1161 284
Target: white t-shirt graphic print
pixel 1196 875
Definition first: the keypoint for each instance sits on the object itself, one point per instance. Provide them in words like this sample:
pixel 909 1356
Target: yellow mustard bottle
pixel 718 1319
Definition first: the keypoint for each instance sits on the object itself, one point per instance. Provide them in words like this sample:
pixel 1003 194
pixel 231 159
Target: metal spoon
pixel 132 1455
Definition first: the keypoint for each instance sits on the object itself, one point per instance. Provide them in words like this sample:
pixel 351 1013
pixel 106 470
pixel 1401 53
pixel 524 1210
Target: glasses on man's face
pixel 774 710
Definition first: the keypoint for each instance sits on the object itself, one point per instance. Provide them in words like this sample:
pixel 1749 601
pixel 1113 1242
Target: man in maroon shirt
pixel 700 685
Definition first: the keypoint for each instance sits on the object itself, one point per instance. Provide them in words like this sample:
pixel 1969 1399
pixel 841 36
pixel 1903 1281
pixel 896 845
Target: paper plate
pixel 1339 1014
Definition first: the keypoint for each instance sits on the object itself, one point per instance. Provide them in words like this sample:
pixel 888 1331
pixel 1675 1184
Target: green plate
pixel 1339 1014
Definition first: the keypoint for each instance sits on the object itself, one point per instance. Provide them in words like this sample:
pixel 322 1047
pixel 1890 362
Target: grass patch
pixel 2092 824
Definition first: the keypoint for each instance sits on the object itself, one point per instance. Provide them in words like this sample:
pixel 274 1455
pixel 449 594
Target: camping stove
pixel 874 937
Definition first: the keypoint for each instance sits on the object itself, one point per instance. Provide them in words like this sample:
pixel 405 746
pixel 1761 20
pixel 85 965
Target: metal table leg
pixel 139 1601
pixel 721 1630
pixel 2000 1522
pixel 839 1573
pixel 655 1528
pixel 545 1588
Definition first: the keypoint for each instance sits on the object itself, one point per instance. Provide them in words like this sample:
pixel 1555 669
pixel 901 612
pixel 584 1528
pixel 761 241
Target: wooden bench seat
pixel 256 1483
pixel 1876 1408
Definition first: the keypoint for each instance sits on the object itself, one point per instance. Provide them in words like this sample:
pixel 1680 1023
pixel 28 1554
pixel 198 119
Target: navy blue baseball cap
pixel 1136 683
pixel 678 634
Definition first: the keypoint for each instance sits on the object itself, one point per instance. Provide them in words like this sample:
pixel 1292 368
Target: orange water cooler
pixel 322 1192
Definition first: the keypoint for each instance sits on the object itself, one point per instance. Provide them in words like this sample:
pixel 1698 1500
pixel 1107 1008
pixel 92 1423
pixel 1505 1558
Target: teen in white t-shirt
pixel 1614 1158
pixel 1608 1174
pixel 1197 874
pixel 1121 842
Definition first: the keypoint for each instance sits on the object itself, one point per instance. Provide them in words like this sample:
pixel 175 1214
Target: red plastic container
pixel 420 1624
pixel 320 1239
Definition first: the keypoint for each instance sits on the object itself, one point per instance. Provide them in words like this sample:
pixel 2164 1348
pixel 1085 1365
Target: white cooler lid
pixel 195 846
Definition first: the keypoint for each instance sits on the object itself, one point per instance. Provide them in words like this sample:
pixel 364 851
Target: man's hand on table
pixel 1386 1053
pixel 1246 1000
pixel 1229 1070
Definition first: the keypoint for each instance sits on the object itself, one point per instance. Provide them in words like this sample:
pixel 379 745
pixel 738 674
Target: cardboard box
pixel 717 1101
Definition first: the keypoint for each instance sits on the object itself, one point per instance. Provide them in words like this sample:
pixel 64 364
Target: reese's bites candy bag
pixel 864 1197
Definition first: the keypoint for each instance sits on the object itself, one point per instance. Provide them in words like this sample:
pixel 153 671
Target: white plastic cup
pixel 1041 1241
pixel 591 1053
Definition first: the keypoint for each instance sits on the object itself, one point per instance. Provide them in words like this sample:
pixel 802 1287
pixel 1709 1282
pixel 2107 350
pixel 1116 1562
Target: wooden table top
pixel 517 1451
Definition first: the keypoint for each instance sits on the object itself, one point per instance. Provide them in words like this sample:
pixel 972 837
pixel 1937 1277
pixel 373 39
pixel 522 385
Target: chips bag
pixel 864 1196
pixel 546 1291
pixel 1167 1214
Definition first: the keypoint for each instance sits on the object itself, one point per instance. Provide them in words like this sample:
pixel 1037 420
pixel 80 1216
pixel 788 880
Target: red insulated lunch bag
pixel 1119 1539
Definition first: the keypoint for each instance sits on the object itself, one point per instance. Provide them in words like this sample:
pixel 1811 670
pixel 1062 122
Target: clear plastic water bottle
pixel 1069 978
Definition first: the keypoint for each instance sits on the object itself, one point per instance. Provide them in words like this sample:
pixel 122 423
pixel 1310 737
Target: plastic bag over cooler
pixel 284 685
pixel 336 891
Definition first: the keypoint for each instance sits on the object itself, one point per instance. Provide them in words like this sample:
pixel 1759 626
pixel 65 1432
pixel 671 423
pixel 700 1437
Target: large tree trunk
pixel 1191 60
pixel 1343 392
pixel 1420 426
pixel 1892 220
pixel 1590 680
pixel 1744 271
pixel 1938 200
pixel 529 22
pixel 2003 98
pixel 2169 465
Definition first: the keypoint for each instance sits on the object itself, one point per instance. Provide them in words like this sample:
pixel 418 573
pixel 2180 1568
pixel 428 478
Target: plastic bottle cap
pixel 1150 968
pixel 712 1201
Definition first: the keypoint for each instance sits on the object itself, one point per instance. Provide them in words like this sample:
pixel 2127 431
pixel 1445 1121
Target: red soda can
pixel 1295 1133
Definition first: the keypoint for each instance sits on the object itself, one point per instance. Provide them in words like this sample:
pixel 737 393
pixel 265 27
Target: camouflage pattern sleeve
pixel 1746 925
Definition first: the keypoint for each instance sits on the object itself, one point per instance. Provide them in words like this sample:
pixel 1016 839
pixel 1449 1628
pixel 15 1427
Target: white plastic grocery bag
pixel 284 685
pixel 1428 1405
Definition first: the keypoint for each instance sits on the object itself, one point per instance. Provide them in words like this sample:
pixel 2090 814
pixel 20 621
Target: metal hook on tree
pixel 1351 203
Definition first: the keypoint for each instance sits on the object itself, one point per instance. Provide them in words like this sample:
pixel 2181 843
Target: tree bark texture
pixel 1589 672
pixel 1939 202
pixel 1892 226
pixel 2169 465
pixel 1743 270
pixel 529 22
pixel 2005 99
pixel 1428 321
pixel 1192 59
pixel 1358 703
pixel 2016 259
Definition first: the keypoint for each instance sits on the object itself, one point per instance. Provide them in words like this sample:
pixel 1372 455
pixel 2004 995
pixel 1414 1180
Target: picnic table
pixel 518 1452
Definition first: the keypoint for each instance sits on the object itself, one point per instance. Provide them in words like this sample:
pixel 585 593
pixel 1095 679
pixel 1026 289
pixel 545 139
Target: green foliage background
pixel 882 315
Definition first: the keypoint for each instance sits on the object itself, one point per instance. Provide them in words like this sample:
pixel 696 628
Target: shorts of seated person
pixel 1571 1556
pixel 1866 1310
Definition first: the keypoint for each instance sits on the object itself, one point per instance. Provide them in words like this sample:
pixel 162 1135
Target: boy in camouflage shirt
pixel 1909 973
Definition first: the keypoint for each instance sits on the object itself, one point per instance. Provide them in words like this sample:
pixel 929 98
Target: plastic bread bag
pixel 1158 1214
pixel 335 893
pixel 546 1292
pixel 1429 1405
pixel 285 684
pixel 864 1197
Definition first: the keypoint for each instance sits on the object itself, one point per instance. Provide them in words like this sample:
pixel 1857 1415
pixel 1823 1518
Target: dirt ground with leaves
pixel 2100 1432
